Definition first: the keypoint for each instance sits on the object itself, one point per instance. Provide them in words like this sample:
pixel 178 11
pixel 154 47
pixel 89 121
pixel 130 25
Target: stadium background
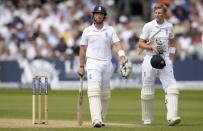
pixel 45 32
pixel 30 31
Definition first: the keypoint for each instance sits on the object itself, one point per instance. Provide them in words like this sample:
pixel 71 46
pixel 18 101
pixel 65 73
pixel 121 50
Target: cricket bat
pixel 80 103
pixel 150 39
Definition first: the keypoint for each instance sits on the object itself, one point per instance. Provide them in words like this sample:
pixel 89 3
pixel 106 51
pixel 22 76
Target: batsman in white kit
pixel 157 39
pixel 96 54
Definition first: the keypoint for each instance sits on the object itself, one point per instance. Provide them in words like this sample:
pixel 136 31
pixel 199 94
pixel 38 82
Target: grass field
pixel 124 111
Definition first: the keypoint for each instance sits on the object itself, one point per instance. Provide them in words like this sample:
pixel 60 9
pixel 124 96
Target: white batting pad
pixel 147 94
pixel 94 88
pixel 95 108
pixel 172 101
pixel 147 107
pixel 105 96
pixel 94 94
pixel 172 105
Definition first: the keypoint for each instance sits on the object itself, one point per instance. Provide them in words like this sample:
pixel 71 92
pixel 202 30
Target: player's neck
pixel 98 25
pixel 160 22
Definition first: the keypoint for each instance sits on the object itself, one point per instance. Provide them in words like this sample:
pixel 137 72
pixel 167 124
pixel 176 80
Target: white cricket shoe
pixel 174 121
pixel 103 124
pixel 147 122
pixel 97 124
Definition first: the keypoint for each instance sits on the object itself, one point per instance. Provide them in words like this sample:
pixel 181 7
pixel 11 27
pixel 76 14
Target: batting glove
pixel 126 69
pixel 160 49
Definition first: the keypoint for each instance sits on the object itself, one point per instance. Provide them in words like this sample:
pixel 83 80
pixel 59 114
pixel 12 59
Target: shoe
pixel 174 121
pixel 147 122
pixel 97 124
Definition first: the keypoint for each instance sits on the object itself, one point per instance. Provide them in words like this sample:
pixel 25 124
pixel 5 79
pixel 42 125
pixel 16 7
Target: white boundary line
pixel 74 85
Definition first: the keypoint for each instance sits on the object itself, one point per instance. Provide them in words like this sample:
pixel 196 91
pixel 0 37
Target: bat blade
pixel 80 103
pixel 150 39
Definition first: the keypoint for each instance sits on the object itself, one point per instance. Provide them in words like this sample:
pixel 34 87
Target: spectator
pixel 67 18
pixel 4 51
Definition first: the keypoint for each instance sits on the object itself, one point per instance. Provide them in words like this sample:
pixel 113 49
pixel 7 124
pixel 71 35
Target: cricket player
pixel 95 54
pixel 158 62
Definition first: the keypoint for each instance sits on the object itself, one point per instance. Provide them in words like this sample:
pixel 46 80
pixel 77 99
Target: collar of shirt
pixel 164 25
pixel 102 29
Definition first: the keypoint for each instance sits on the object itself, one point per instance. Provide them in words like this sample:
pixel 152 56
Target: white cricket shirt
pixel 99 42
pixel 162 37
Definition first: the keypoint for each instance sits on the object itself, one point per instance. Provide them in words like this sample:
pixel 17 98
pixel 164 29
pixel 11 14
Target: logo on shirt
pixel 90 76
pixel 106 34
pixel 167 32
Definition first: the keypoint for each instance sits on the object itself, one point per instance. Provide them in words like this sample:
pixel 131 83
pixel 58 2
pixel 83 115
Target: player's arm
pixel 126 66
pixel 118 47
pixel 172 49
pixel 82 56
pixel 120 51
pixel 143 44
pixel 82 53
pixel 172 45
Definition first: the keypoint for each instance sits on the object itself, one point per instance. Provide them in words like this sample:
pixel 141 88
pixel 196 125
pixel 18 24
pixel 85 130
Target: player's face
pixel 159 14
pixel 98 18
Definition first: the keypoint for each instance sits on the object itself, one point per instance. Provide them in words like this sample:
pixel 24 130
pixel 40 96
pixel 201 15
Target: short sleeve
pixel 114 36
pixel 145 32
pixel 171 34
pixel 83 40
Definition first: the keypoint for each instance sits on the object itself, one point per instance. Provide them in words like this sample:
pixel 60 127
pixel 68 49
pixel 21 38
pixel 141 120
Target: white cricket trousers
pixel 98 75
pixel 166 76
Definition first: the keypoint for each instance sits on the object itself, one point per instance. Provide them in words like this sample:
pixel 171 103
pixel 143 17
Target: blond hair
pixel 160 6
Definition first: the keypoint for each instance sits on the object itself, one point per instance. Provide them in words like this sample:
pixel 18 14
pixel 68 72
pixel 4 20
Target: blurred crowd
pixel 51 29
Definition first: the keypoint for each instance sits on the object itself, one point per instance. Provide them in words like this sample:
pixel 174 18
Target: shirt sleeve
pixel 171 34
pixel 83 40
pixel 145 32
pixel 114 36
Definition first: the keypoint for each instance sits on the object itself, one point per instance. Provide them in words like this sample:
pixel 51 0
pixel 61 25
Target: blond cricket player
pixel 160 46
pixel 96 54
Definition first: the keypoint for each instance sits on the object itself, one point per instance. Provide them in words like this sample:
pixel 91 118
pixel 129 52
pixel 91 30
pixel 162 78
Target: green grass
pixel 124 108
